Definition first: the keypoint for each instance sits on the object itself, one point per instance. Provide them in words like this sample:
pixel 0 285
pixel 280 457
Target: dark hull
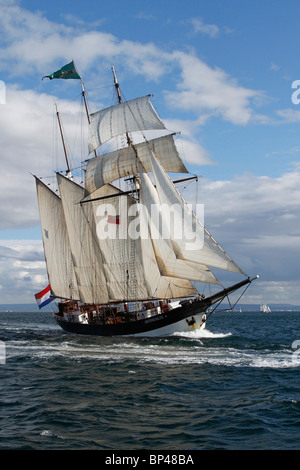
pixel 152 324
pixel 138 326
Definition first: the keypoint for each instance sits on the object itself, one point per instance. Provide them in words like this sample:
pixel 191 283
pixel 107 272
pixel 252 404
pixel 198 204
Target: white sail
pixel 57 250
pixel 158 285
pixel 109 167
pixel 192 242
pixel 168 262
pixel 86 254
pixel 129 261
pixel 265 308
pixel 123 269
pixel 130 116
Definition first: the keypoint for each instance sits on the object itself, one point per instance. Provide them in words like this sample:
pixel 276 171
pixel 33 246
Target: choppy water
pixel 235 385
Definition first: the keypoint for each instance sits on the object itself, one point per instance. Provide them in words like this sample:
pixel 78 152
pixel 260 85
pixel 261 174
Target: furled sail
pixel 111 166
pixel 56 244
pixel 130 116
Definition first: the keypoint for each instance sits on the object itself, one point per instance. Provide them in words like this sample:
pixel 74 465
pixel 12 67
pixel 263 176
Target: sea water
pixel 233 386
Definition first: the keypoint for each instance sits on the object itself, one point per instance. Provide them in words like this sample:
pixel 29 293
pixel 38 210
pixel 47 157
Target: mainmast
pixel 131 270
pixel 117 86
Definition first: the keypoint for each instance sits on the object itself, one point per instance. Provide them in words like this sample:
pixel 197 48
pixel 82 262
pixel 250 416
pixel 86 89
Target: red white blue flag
pixel 44 297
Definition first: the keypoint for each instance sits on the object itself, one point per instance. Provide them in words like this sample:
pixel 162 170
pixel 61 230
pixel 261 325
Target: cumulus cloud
pixel 256 220
pixel 206 90
pixel 26 131
pixel 22 270
pixel 34 43
pixel 31 43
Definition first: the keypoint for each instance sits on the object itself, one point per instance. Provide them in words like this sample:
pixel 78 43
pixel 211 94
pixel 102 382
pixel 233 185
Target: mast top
pixel 129 143
pixel 116 84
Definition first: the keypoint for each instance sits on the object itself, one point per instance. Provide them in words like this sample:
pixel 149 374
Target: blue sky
pixel 221 73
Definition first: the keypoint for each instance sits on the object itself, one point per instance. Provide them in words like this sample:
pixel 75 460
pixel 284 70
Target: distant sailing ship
pixel 265 308
pixel 117 266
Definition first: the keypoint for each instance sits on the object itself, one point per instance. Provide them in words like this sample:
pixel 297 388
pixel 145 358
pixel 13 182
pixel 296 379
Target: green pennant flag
pixel 68 71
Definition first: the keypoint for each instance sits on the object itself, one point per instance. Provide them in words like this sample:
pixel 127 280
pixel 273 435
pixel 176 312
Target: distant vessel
pixel 265 308
pixel 112 278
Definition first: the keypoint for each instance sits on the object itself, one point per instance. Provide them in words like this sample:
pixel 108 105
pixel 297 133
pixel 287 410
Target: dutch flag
pixel 44 297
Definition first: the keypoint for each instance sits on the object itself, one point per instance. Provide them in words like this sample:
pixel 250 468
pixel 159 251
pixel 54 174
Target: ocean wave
pixel 188 348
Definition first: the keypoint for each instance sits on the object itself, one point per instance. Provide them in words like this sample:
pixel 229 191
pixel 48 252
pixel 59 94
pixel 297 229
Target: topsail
pixel 111 166
pixel 131 116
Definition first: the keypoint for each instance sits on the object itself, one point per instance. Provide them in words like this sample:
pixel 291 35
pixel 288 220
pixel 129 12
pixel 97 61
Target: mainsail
pixel 110 265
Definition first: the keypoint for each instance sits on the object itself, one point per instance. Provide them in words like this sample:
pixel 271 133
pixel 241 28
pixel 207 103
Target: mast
pixel 131 271
pixel 86 107
pixel 63 141
pixel 117 86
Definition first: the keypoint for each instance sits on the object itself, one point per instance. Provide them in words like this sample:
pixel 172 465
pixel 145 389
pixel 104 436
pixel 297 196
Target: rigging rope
pixel 231 308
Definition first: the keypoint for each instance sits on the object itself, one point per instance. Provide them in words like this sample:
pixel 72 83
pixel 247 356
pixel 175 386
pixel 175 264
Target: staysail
pixel 194 242
pixel 169 263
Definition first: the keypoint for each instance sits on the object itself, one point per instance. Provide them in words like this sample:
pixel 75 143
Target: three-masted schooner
pixel 123 262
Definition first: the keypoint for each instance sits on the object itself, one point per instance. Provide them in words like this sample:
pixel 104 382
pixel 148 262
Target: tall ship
pixel 265 308
pixel 127 261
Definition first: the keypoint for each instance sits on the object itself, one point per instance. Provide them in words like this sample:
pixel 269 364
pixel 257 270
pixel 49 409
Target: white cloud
pixel 26 133
pixel 289 115
pixel 210 30
pixel 256 220
pixel 33 43
pixel 22 270
pixel 206 90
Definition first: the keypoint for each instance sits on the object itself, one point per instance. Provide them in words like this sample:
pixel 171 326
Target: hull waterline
pixel 184 318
